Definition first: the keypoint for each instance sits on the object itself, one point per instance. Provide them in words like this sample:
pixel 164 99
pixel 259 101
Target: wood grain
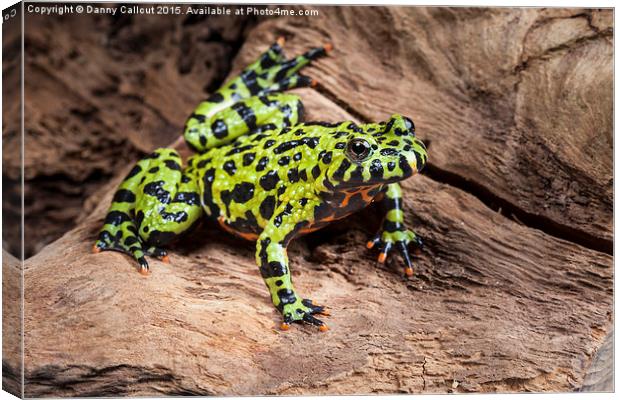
pixel 495 306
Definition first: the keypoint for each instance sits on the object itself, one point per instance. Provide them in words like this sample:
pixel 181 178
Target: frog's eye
pixel 358 150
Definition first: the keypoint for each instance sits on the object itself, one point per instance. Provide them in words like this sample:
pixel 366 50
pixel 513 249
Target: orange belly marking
pixel 245 235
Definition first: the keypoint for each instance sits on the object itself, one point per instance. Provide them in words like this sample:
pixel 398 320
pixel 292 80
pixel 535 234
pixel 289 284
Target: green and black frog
pixel 267 176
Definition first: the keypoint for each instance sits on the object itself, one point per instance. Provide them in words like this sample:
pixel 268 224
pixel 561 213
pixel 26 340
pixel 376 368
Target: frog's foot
pixel 284 74
pixel 400 239
pixel 158 253
pixel 303 311
pixel 132 248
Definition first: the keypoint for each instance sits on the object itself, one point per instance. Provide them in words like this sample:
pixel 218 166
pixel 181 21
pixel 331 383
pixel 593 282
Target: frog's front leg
pixel 393 234
pixel 157 202
pixel 272 260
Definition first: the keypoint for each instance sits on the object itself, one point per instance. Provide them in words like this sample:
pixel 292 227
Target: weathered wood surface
pixel 497 304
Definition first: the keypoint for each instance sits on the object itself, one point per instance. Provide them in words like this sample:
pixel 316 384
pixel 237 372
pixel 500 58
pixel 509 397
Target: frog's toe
pixel 101 245
pixel 401 248
pixel 315 309
pixel 374 241
pixel 314 321
pixel 383 246
pixel 284 74
pixel 385 251
pixel 143 267
pixel 158 253
pixel 285 326
pixel 418 244
pixel 317 52
pixel 404 253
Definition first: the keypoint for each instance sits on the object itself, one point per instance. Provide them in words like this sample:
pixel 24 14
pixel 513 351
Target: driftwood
pixel 513 291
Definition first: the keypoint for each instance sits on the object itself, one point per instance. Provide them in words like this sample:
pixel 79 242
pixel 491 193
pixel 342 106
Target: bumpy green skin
pixel 265 176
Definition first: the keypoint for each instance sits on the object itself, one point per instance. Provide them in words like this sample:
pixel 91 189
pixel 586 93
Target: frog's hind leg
pixel 230 112
pixel 251 115
pixel 155 204
pixel 273 73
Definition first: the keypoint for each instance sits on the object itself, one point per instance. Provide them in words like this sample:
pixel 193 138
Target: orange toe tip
pixel 284 326
pixel 144 271
pixel 328 47
pixel 165 259
pixel 314 83
pixel 96 249
pixel 326 313
pixel 281 40
pixel 323 328
pixel 382 258
pixel 409 271
pixel 370 244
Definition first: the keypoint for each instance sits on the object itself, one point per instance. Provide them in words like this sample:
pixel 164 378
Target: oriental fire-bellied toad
pixel 267 176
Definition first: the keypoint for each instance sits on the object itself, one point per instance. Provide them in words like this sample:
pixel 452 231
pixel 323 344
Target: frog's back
pixel 243 183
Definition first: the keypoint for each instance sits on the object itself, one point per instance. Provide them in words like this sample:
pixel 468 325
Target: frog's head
pixel 377 154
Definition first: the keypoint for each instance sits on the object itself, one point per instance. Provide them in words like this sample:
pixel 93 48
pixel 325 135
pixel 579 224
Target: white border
pixel 483 3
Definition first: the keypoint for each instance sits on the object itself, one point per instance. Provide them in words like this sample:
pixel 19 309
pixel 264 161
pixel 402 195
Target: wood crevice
pixel 518 214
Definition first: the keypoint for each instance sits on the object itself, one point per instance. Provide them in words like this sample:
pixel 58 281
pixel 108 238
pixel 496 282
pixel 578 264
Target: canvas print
pixel 207 199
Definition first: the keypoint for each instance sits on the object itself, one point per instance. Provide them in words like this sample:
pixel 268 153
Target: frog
pixel 264 174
